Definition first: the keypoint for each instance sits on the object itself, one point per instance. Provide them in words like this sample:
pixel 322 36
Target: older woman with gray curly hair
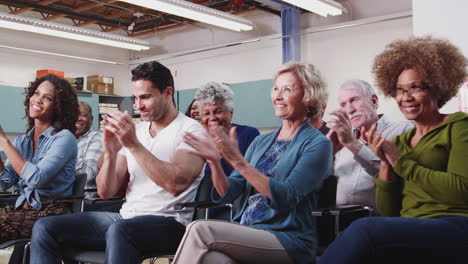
pixel 279 179
pixel 216 104
pixel 422 187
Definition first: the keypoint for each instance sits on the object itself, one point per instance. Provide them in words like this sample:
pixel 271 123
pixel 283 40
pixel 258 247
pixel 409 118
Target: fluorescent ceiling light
pixel 63 31
pixel 321 7
pixel 60 55
pixel 196 12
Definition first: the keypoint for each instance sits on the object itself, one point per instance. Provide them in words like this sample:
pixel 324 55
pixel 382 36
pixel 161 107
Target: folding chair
pixel 22 246
pixel 332 219
pixel 99 257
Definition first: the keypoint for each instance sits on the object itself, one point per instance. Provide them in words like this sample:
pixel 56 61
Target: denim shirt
pixel 50 171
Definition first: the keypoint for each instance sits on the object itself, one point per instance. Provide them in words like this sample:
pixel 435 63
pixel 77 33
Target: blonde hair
pixel 315 92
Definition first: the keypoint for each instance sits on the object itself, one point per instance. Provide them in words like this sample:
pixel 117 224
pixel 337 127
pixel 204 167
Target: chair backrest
pixel 327 194
pixel 326 223
pixel 203 194
pixel 78 191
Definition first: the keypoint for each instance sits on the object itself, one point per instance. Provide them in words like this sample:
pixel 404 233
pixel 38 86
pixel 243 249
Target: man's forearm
pixel 106 180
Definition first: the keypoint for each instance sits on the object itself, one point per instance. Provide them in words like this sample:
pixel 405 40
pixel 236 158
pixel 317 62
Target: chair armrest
pixel 200 204
pixel 70 198
pixel 205 205
pixel 8 195
pixel 320 211
pixel 350 209
pixel 109 200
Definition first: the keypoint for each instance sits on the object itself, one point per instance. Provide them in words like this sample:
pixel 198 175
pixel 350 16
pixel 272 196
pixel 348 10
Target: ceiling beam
pixel 80 9
pixel 113 29
pixel 26 9
pixel 50 9
pixel 156 30
pixel 260 4
pixel 114 15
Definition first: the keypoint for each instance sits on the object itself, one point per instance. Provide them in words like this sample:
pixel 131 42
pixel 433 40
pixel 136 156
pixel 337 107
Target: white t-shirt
pixel 144 196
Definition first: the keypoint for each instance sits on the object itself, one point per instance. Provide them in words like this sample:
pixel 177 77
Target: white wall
pixel 199 35
pixel 18 68
pixel 340 54
pixel 450 23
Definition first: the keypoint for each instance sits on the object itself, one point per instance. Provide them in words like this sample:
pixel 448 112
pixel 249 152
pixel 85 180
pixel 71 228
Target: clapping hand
pixel 204 147
pixel 386 150
pixel 342 127
pixel 120 124
pixel 228 146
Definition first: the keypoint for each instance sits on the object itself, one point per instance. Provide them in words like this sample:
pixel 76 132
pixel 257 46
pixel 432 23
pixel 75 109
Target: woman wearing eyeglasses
pixel 280 174
pixel 422 187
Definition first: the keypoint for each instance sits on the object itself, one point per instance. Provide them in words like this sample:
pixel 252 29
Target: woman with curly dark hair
pixel 41 163
pixel 422 187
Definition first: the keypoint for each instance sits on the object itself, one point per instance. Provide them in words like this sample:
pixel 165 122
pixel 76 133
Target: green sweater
pixel 430 180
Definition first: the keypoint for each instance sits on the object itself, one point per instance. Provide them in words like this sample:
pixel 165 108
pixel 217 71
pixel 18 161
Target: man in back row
pixel 89 148
pixel 355 164
pixel 162 173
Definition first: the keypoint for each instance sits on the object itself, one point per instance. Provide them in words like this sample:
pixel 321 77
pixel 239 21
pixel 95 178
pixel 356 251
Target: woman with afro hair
pixel 422 186
pixel 41 163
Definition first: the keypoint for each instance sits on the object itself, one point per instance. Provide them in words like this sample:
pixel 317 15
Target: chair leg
pixel 27 249
pixel 17 255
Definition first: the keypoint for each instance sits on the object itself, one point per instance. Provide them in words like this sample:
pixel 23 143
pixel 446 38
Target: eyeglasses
pixel 283 89
pixel 411 91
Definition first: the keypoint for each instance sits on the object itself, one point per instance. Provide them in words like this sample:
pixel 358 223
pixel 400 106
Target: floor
pixel 5 256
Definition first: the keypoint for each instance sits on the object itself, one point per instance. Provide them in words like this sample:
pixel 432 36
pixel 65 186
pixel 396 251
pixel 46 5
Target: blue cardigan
pixel 294 190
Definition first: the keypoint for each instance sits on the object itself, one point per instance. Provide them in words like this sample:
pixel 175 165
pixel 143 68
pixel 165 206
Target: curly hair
pixel 66 109
pixel 208 93
pixel 441 65
pixel 315 87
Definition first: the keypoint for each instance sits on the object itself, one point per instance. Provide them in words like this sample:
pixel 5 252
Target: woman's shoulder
pixel 64 134
pixel 459 122
pixel 309 134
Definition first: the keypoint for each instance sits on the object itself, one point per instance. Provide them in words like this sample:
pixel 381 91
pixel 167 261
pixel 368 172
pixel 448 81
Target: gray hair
pixel 365 87
pixel 88 106
pixel 208 93
pixel 315 92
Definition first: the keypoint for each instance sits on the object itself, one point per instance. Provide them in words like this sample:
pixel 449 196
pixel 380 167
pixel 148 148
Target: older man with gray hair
pixel 355 164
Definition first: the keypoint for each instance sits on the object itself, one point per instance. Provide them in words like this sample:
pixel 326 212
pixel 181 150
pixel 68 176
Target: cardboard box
pixel 100 84
pixel 40 73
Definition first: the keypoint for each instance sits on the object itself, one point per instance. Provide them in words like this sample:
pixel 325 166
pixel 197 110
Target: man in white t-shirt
pixel 162 173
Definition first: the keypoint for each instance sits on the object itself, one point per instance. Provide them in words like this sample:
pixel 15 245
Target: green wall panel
pixel 12 109
pixel 184 98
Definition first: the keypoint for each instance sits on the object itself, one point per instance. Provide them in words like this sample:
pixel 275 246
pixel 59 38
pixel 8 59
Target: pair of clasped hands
pixel 216 143
pixel 340 134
